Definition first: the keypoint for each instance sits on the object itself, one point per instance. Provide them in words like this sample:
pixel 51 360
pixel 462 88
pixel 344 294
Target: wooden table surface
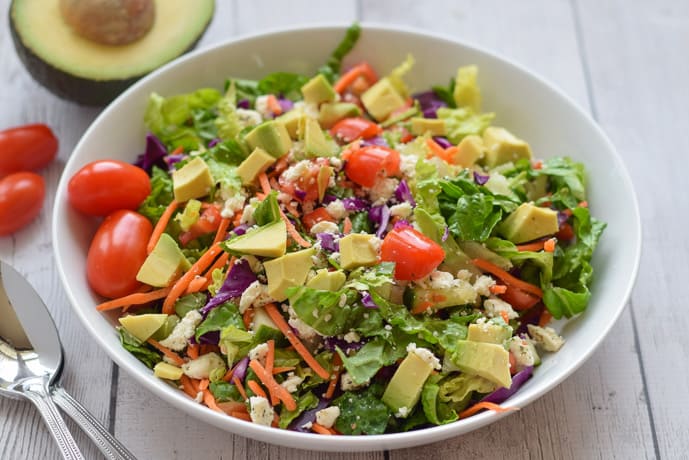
pixel 627 62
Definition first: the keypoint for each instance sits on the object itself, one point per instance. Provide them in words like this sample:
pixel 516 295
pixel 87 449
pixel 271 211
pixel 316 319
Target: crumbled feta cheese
pixel 381 192
pixel 261 411
pixel 402 412
pixel 304 330
pixel 324 226
pixel 425 354
pixel 523 351
pixel 248 213
pixel 351 337
pixel 335 256
pixel 256 294
pixel 259 352
pixel 201 367
pixel 402 210
pixel 296 171
pixel 495 306
pixel 248 117
pixel 483 284
pixel 546 337
pixel 255 264
pixel 336 209
pixel 343 300
pixel 437 280
pixel 347 383
pixel 408 165
pixel 307 425
pixel 336 162
pixel 326 417
pixel 464 275
pixel 291 383
pixel 177 340
pixel 232 205
pixel 375 244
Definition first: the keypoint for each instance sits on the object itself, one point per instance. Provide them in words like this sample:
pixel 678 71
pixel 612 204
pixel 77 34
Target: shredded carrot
pixel 195 384
pixel 274 104
pixel 280 166
pixel 504 316
pixel 280 322
pixel 277 392
pixel 332 385
pixel 240 387
pixel 237 219
pixel 291 231
pixel 320 429
pixel 160 225
pixel 507 278
pixel 166 351
pixel 545 318
pixel 222 230
pixel 450 153
pixel 265 183
pixel 209 400
pixel 187 386
pixel 247 317
pixel 206 348
pixel 280 370
pixel 228 375
pixel 193 350
pixel 538 165
pixel 256 388
pixel 498 289
pixel 241 415
pixel 291 209
pixel 549 245
pixel 274 184
pixel 181 285
pixel 484 405
pixel 421 307
pixel 276 421
pixel 197 284
pixel 270 356
pixel 203 384
pixel 232 406
pixel 535 246
pixel 352 74
pixel 436 149
pixel 583 204
pixel 137 298
pixel 347 226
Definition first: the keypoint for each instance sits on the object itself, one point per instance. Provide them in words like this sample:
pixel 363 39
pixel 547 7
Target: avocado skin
pixel 70 87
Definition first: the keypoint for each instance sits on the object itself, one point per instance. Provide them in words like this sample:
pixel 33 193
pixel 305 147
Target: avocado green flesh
pixel 89 73
pixel 406 384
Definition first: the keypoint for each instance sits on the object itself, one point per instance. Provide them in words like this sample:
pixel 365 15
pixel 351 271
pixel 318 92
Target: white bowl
pixel 524 103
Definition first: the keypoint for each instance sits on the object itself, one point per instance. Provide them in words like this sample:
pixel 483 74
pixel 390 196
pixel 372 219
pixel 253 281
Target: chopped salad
pixel 335 253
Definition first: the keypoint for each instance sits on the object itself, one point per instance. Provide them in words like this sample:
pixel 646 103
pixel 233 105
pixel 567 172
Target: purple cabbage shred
pixel 442 141
pixel 380 216
pixel 210 338
pixel 328 242
pixel 285 104
pixel 377 140
pixel 480 179
pixel 154 154
pixel 403 193
pixel 331 343
pixel 429 103
pixel 401 224
pixel 501 394
pixel 244 104
pixel 355 204
pixel 367 300
pixel 240 369
pixel 239 278
pixel 446 234
pixel 302 423
pixel 214 142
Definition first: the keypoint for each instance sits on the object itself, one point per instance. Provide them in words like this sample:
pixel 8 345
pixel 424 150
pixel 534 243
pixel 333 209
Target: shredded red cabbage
pixel 401 224
pixel 300 194
pixel 561 218
pixel 355 204
pixel 367 300
pixel 210 338
pixel 240 229
pixel 446 234
pixel 501 394
pixel 380 216
pixel 480 179
pixel 442 141
pixel 244 104
pixel 214 142
pixel 403 193
pixel 328 242
pixel 285 104
pixel 154 154
pixel 377 140
pixel 530 316
pixel 239 278
pixel 331 343
pixel 429 103
pixel 240 369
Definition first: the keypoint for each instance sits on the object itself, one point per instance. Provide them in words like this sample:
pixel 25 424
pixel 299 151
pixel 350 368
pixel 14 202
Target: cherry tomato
pixel 117 251
pixel 519 299
pixel 349 129
pixel 26 148
pixel 415 255
pixel 304 187
pixel 208 222
pixel 21 199
pixel 317 215
pixel 104 186
pixel 566 232
pixel 366 165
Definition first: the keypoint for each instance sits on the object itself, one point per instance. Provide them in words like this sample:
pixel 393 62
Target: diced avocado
pixel 167 371
pixel 327 281
pixel 318 90
pixel 488 360
pixel 292 120
pixel 143 326
pixel 529 222
pixel 358 250
pixel 467 92
pixel 469 151
pixel 381 99
pixel 537 188
pixel 271 136
pixel 253 165
pixel 489 333
pixel 268 241
pixel 331 113
pixel 163 264
pixel 502 146
pixel 405 386
pixel 287 271
pixel 193 180
pixel 261 318
pixel 315 143
pixel 166 329
pixel 462 294
pixel 420 126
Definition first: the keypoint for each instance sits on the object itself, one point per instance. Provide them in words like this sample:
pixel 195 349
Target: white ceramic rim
pixel 350 443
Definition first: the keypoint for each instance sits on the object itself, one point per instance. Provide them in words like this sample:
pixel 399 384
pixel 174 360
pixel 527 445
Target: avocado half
pixel 90 73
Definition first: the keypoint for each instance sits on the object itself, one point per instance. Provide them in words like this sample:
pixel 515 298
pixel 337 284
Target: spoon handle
pixel 37 393
pixel 108 445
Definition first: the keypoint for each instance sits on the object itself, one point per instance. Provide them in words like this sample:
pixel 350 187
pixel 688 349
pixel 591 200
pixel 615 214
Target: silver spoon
pixel 31 364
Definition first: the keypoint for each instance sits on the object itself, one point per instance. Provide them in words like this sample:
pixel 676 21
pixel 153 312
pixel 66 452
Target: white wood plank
pixel 639 73
pixel 598 412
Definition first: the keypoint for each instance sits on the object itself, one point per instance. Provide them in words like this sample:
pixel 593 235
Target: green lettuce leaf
pixel 463 122
pixel 331 69
pixel 161 195
pixel 227 314
pixel 284 83
pixel 189 302
pixel 456 390
pixel 362 412
pixel 225 391
pixel 305 402
pixel 268 210
pixel 140 351
pixel 435 410
pixel 322 311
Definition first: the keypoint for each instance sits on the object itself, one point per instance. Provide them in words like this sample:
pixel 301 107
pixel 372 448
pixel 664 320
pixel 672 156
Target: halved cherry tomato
pixel 519 299
pixel 21 200
pixel 208 222
pixel 366 165
pixel 566 232
pixel 317 215
pixel 349 129
pixel 26 148
pixel 415 255
pixel 305 187
pixel 117 251
pixel 104 186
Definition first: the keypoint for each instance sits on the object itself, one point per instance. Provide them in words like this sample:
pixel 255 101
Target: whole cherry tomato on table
pixel 117 251
pixel 104 186
pixel 415 255
pixel 366 165
pixel 26 148
pixel 21 200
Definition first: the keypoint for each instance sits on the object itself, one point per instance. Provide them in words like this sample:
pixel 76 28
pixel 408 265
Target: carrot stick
pixel 275 390
pixel 347 226
pixel 337 362
pixel 265 184
pixel 160 225
pixel 535 246
pixel 421 307
pixel 232 406
pixel 193 350
pixel 545 318
pixel 291 209
pixel 187 386
pixel 484 405
pixel 549 245
pixel 320 429
pixel 280 322
pixel 450 153
pixel 352 74
pixel 504 316
pixel 270 356
pixel 507 278
pixel 203 384
pixel 256 388
pixel 274 104
pixel 293 232
pixel 181 285
pixel 498 289
pixel 197 284
pixel 241 415
pixel 209 400
pixel 166 351
pixel 137 298
pixel 247 317
pixel 240 387
pixel 436 149
pixel 222 230
pixel 280 370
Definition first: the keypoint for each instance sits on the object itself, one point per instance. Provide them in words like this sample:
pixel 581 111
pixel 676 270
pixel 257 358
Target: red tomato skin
pixel 519 299
pixel 117 251
pixel 366 165
pixel 317 215
pixel 26 148
pixel 21 200
pixel 415 255
pixel 349 129
pixel 105 186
